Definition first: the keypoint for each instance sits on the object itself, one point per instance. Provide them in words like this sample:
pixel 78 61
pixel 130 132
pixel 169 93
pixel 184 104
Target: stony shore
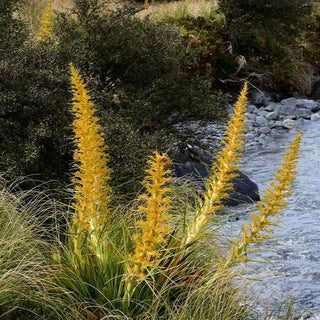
pixel 269 119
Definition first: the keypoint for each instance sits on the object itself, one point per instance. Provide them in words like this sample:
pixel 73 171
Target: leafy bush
pixel 254 23
pixel 138 74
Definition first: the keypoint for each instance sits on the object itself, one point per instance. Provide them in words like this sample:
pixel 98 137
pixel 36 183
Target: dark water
pixel 290 262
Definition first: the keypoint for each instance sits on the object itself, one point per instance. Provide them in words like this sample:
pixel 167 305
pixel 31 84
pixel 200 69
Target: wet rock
pixel 250 136
pixel 272 115
pixel 289 110
pixel 315 117
pixel 265 130
pixel 262 112
pixel 280 109
pixel 252 108
pixel 289 123
pixel 261 121
pixel 251 116
pixel 245 190
pixel 291 116
pixel 303 113
pixel 290 102
pixel 260 98
pixel 270 107
pixel 309 104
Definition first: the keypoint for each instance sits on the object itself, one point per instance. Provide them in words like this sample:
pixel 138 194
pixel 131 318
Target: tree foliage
pixel 253 22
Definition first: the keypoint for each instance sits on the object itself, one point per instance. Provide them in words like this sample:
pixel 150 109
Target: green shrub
pixel 252 23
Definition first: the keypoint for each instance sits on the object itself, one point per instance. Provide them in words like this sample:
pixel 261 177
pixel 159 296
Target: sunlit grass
pixel 180 9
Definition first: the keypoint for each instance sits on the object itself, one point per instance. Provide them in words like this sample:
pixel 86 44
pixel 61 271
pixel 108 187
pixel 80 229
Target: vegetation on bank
pixel 150 259
pixel 107 256
pixel 146 70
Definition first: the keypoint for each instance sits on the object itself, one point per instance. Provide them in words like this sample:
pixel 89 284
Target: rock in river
pixel 245 190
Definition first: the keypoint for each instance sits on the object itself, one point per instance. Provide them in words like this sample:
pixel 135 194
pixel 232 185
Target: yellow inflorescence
pixel 154 228
pixel 272 204
pixel 91 178
pixel 45 31
pixel 223 170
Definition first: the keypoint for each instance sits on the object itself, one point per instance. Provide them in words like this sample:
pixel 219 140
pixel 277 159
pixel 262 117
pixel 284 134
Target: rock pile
pixel 267 121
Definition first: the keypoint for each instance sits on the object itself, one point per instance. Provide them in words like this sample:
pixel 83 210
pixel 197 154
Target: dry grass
pixel 31 11
pixel 180 9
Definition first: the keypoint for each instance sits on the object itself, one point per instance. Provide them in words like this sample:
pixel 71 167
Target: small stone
pixel 261 121
pixel 265 130
pixel 292 117
pixel 309 104
pixel 280 109
pixel 262 112
pixel 251 116
pixel 270 107
pixel 278 124
pixel 303 113
pixel 251 108
pixel 272 115
pixel 290 102
pixel 315 117
pixel 250 124
pixel 250 136
pixel 289 109
pixel 260 98
pixel 289 123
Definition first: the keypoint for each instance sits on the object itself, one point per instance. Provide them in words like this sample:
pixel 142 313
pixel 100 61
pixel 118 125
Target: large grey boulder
pixel 244 189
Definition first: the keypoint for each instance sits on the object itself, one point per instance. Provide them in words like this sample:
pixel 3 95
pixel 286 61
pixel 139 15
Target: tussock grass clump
pixel 26 287
pixel 179 9
pixel 156 258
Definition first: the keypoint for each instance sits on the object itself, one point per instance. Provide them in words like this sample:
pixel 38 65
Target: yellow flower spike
pixel 154 229
pixel 45 31
pixel 272 205
pixel 92 196
pixel 217 185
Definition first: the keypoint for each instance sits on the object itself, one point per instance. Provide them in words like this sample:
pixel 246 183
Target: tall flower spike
pixel 218 184
pixel 92 195
pixel 272 204
pixel 45 31
pixel 154 228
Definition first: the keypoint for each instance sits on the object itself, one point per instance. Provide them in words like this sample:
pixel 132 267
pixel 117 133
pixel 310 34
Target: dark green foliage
pixel 10 29
pixel 139 78
pixel 34 117
pixel 254 23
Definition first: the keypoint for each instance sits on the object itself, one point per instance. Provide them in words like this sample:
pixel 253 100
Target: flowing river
pixel 289 262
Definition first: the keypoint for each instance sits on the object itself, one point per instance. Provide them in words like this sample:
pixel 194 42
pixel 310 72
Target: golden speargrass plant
pixel 45 31
pixel 271 206
pixel 223 170
pixel 155 228
pixel 92 195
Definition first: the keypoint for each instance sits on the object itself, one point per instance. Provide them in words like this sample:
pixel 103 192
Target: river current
pixel 289 263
